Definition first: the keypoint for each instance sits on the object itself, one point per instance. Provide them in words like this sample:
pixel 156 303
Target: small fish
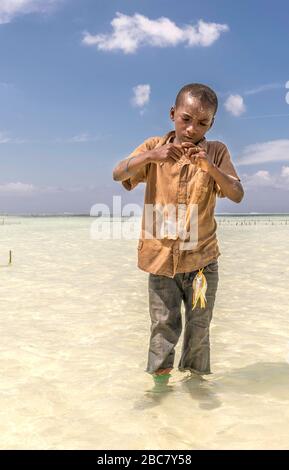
pixel 199 289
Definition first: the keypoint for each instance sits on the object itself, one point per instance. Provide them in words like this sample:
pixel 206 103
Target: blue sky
pixel 78 94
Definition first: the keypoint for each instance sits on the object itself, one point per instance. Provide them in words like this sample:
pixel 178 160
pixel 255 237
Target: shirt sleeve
pixel 224 162
pixel 141 175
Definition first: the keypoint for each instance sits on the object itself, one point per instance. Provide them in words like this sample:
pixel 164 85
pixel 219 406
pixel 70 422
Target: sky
pixel 84 82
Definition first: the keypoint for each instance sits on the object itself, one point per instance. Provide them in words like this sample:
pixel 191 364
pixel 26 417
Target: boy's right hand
pixel 166 152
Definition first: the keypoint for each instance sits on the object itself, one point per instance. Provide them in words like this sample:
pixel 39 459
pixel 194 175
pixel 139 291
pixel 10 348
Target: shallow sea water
pixel 74 338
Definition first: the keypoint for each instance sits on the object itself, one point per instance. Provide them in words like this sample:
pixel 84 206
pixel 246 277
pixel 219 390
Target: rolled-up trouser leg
pixel 165 298
pixel 196 344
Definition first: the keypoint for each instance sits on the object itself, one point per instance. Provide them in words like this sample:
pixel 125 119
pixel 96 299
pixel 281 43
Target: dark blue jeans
pixel 165 298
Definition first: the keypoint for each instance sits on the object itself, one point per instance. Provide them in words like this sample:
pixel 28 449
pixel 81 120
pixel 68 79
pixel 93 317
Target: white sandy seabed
pixel 74 338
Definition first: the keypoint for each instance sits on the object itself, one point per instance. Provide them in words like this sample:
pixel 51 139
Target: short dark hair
pixel 204 93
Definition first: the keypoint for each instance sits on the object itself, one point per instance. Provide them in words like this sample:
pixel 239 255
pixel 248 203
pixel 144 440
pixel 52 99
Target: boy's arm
pixel 227 181
pixel 227 185
pixel 128 167
pixel 133 169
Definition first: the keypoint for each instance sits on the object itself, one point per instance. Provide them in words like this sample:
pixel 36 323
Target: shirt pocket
pixel 150 244
pixel 201 185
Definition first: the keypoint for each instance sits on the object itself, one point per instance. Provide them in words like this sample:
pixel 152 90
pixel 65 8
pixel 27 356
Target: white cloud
pixel 11 8
pixel 264 175
pixel 141 95
pixel 258 179
pixel 76 139
pixel 264 116
pixel 4 139
pixel 263 179
pixel 234 104
pixel 285 172
pixel 271 151
pixel 257 89
pixel 82 138
pixel 17 188
pixel 262 88
pixel 131 32
pixel 287 94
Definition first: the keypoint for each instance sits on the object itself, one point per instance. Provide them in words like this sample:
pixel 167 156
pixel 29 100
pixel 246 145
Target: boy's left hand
pixel 197 155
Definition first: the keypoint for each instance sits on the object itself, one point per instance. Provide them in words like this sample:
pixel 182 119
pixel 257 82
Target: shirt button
pixel 176 251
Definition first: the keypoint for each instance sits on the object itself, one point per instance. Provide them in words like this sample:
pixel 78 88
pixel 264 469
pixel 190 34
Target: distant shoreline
pixel 221 214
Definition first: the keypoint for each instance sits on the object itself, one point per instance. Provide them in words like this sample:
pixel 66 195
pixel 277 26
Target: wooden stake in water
pixel 9 262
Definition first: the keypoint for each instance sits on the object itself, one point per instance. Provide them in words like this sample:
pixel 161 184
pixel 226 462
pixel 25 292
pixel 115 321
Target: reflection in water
pixel 154 396
pixel 75 330
pixel 203 392
pixel 261 378
pixel 197 387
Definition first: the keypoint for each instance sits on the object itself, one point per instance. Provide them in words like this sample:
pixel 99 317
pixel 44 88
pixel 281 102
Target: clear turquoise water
pixel 74 337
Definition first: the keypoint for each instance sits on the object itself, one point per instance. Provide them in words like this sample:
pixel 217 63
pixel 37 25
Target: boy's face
pixel 192 119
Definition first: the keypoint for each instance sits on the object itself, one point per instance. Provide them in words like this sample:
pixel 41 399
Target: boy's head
pixel 193 112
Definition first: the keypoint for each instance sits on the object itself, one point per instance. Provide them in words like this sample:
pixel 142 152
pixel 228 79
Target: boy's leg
pixel 196 345
pixel 165 300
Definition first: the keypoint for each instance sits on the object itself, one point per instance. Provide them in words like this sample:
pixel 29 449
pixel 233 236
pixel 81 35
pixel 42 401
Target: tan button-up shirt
pixel 181 185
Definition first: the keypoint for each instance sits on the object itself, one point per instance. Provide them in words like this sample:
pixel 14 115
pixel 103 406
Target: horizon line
pixel 85 214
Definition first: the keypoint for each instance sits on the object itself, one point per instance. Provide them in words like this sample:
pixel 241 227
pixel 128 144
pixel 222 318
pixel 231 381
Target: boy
pixel 183 170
